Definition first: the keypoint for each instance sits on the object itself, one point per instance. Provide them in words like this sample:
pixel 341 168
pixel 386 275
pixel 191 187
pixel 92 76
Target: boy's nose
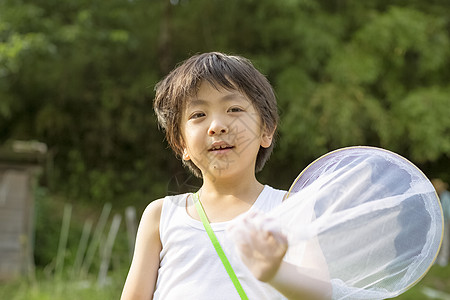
pixel 217 128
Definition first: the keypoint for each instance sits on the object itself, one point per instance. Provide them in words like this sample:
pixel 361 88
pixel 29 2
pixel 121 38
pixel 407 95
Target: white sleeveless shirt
pixel 190 267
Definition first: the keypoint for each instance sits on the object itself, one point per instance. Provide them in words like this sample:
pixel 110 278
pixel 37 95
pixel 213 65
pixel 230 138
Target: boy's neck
pixel 220 188
pixel 223 200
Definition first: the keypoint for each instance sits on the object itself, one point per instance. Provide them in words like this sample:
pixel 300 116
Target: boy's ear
pixel 266 139
pixel 186 155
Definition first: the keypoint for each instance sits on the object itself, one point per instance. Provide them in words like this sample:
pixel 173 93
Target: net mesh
pixel 376 216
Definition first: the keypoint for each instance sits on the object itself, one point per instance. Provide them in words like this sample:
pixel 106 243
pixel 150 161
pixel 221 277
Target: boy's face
pixel 222 132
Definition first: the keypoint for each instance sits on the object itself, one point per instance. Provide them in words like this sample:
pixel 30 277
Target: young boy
pixel 219 115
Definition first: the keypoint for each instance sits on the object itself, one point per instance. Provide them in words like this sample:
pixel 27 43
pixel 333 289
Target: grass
pixel 66 289
pixel 437 279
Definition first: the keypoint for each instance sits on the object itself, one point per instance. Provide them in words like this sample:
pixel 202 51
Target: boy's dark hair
pixel 220 70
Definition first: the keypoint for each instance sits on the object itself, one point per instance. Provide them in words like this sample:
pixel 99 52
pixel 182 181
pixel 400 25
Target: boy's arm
pixel 310 281
pixel 141 279
pixel 262 248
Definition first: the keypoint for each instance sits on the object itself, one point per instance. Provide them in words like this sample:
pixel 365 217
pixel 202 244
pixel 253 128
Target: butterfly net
pixel 375 215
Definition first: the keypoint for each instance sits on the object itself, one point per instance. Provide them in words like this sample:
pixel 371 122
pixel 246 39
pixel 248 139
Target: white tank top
pixel 190 268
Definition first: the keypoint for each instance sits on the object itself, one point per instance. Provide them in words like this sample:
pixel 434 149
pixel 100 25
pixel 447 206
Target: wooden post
pixel 96 239
pixel 63 240
pixel 82 248
pixel 130 218
pixel 106 253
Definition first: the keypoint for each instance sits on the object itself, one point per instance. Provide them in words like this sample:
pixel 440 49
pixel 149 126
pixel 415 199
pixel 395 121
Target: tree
pixel 79 76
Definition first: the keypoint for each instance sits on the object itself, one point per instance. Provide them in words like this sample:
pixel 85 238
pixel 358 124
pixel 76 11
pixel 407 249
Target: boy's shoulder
pixel 158 203
pixel 156 206
pixel 153 210
pixel 275 192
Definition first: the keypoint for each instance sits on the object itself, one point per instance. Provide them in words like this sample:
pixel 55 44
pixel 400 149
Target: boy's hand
pixel 260 243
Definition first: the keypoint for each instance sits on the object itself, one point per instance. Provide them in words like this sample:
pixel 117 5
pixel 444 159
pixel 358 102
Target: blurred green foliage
pixel 48 226
pixel 79 76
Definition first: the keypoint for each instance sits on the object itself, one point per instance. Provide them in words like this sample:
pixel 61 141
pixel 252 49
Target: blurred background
pixel 81 154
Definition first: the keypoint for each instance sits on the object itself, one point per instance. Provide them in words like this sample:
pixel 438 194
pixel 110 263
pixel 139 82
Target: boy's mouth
pixel 218 146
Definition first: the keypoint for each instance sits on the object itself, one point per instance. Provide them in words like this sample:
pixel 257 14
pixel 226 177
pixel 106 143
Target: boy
pixel 219 115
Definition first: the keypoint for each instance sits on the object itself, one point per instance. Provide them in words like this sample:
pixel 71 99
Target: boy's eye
pixel 197 115
pixel 235 109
